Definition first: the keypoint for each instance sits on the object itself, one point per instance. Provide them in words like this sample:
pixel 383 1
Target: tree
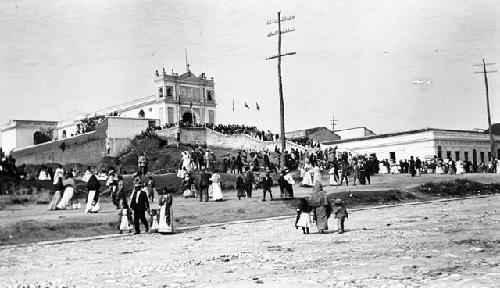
pixel 90 124
pixel 43 135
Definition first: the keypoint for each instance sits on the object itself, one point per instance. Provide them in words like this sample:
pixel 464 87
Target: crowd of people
pixel 416 166
pixel 228 129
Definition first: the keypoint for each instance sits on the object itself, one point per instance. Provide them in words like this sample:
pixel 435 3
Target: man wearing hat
pixel 267 182
pixel 140 204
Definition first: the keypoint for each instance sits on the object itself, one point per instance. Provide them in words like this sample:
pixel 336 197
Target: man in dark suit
pixel 140 204
pixel 249 178
pixel 266 183
pixel 204 184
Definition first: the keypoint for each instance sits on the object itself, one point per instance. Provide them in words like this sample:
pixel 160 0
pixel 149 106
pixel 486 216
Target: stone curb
pixel 110 236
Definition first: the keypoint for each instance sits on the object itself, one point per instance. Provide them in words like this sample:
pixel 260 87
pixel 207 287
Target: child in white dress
pixel 303 216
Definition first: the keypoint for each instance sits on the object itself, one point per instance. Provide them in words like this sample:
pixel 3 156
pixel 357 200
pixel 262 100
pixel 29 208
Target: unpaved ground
pixel 443 244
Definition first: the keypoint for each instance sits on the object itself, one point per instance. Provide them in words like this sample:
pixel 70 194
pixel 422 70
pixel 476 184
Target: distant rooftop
pixel 406 132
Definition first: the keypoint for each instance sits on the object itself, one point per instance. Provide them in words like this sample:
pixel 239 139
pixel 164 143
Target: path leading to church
pixel 454 244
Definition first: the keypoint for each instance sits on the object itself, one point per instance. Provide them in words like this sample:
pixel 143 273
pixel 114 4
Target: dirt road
pixel 443 244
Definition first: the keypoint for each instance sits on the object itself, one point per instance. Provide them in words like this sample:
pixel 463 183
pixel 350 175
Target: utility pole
pixel 333 123
pixel 280 32
pixel 485 73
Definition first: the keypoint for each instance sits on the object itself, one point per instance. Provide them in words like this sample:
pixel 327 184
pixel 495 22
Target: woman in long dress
pixel 288 188
pixel 321 207
pixel 93 186
pixel 307 181
pixel 333 176
pixel 166 220
pixel 240 187
pixel 216 188
pixel 69 187
pixel 58 188
pixel 316 174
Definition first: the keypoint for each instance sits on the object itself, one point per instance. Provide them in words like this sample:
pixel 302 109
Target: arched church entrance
pixel 188 117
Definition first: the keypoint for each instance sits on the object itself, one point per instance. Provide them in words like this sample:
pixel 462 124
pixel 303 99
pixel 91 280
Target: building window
pixel 392 155
pixel 448 155
pixel 457 155
pixel 210 95
pixel 142 114
pixel 160 92
pixel 440 153
pixel 466 156
pixel 481 155
pixel 64 134
pixel 170 91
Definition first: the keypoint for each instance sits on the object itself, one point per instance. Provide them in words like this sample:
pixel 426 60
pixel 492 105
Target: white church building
pixel 186 97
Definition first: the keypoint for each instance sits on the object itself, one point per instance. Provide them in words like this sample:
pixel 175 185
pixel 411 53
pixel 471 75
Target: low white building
pixel 469 145
pixel 354 132
pixel 20 133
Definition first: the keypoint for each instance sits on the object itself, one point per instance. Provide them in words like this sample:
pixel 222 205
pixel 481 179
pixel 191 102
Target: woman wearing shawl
pixel 240 187
pixel 93 186
pixel 321 207
pixel 69 187
pixel 58 188
pixel 216 188
pixel 166 220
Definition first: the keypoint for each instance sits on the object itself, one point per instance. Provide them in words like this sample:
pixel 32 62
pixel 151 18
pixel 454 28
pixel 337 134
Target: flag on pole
pixel 191 105
pixel 257 106
pixel 246 105
pixel 233 105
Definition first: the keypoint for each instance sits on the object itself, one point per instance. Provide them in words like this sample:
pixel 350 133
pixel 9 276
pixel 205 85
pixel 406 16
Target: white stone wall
pixel 424 145
pixel 8 140
pixel 353 133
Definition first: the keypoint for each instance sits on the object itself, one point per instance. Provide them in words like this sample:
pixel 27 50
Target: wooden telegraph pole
pixel 485 74
pixel 280 32
pixel 333 123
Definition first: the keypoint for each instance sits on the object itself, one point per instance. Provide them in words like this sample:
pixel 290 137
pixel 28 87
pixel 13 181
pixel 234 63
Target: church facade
pixel 186 97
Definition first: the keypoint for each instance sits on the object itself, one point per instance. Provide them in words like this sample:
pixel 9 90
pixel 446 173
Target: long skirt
pixel 308 179
pixel 166 225
pixel 334 180
pixel 91 206
pixel 124 220
pixel 55 200
pixel 217 191
pixel 321 218
pixel 305 220
pixel 241 192
pixel 288 189
pixel 66 198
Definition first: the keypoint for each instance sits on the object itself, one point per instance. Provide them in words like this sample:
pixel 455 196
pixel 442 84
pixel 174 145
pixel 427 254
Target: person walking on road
pixel 266 183
pixel 204 184
pixel 249 178
pixel 140 204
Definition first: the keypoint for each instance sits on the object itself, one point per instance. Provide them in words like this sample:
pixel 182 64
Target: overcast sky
pixel 356 59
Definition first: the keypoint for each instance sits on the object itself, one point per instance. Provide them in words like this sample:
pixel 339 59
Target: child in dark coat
pixel 340 214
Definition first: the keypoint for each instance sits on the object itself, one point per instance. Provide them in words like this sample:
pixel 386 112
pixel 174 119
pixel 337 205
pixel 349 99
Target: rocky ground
pixel 452 244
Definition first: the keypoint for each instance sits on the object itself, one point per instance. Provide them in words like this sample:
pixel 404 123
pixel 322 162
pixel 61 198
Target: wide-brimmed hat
pixel 337 201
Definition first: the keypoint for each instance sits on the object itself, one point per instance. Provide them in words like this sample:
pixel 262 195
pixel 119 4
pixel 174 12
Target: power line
pixel 485 74
pixel 280 32
pixel 333 123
